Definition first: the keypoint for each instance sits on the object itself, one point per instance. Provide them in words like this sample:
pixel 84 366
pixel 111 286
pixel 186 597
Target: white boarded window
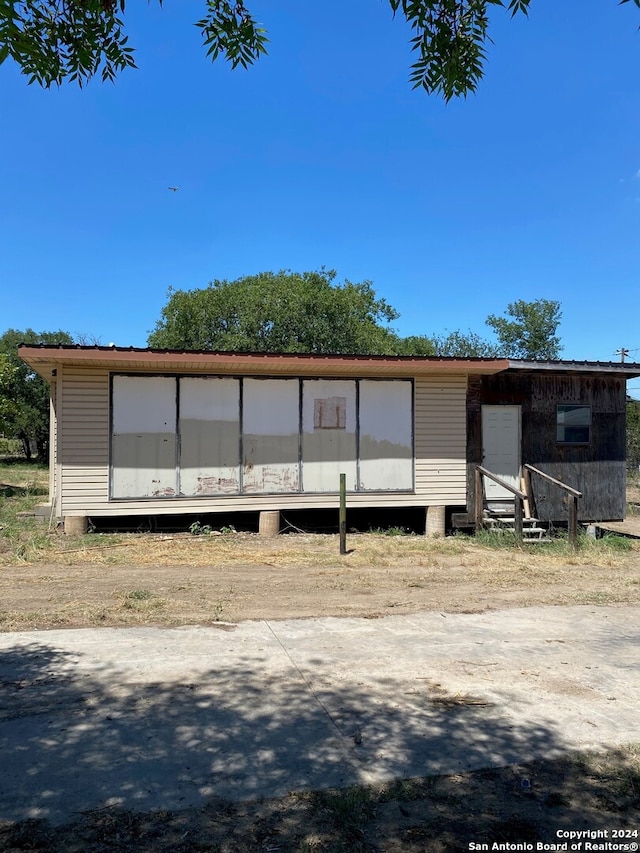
pixel 209 435
pixel 270 439
pixel 328 434
pixel 143 440
pixel 258 436
pixel 386 435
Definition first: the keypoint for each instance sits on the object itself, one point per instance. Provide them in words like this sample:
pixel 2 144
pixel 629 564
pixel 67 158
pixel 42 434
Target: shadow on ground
pixel 90 763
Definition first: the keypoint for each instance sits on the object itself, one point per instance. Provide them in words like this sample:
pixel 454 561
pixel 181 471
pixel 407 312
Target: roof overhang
pixel 627 370
pixel 45 359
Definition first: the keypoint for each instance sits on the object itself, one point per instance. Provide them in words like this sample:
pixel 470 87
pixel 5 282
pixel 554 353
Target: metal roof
pixel 627 369
pixel 46 357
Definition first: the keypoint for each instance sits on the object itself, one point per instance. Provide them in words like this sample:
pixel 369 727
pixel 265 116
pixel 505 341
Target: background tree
pixel 278 312
pixel 531 331
pixel 54 40
pixel 8 412
pixel 309 312
pixel 414 345
pixel 465 345
pixel 24 414
pixel 530 334
pixel 633 434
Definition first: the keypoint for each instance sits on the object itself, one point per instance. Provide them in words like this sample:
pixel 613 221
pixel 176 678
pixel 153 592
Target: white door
pixel 501 448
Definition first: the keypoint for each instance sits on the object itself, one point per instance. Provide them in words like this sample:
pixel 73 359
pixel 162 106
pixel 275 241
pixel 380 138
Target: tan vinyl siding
pixel 84 444
pixel 83 432
pixel 441 440
pixel 251 503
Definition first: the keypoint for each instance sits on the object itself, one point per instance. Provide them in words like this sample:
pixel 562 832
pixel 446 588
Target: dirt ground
pixel 182 579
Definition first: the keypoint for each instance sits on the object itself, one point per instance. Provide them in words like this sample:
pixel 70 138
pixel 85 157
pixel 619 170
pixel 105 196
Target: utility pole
pixel 623 353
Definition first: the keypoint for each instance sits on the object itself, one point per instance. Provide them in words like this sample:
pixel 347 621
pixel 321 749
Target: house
pixel 141 432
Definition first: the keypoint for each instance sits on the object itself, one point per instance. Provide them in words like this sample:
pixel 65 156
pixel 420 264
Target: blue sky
pixel 322 155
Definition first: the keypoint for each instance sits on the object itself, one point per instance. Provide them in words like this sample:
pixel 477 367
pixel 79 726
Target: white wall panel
pixel 328 434
pixel 386 442
pixel 144 404
pixel 210 398
pixel 209 436
pixel 143 441
pixel 270 442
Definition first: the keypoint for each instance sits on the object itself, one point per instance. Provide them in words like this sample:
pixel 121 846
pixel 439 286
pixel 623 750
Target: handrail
pixel 572 527
pixel 521 497
pixel 500 482
pixel 479 500
pixel 555 482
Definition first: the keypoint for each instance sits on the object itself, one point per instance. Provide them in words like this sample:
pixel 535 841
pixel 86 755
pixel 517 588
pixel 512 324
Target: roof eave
pixel 628 370
pixel 43 359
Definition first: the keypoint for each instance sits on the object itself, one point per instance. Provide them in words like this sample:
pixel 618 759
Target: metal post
pixel 343 514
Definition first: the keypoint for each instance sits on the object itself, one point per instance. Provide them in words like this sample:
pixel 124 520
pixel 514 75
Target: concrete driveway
pixel 152 718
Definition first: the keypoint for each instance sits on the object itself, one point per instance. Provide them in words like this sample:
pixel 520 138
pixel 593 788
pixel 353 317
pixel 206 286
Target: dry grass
pixel 306 550
pixel 53 580
pixel 182 579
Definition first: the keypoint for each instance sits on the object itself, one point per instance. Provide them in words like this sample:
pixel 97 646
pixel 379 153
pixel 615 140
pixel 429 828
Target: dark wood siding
pixel 597 469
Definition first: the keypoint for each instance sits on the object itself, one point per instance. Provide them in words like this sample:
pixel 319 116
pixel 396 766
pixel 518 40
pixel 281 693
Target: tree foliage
pixel 278 312
pixel 449 40
pixel 414 345
pixel 531 331
pixel 8 406
pixel 24 407
pixel 633 434
pixel 309 313
pixel 465 345
pixel 529 334
pixel 54 40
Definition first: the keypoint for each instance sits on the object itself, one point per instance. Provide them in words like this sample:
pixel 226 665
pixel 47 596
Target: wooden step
pixel 509 521
pixel 501 522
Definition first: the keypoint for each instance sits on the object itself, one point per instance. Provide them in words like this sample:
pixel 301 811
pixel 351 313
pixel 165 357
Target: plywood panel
pixel 270 441
pixel 386 435
pixel 328 434
pixel 209 436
